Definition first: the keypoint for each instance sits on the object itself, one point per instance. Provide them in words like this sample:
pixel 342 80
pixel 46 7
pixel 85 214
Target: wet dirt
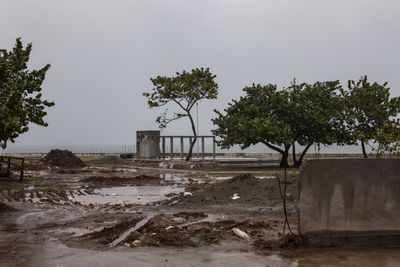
pixel 244 189
pixel 56 223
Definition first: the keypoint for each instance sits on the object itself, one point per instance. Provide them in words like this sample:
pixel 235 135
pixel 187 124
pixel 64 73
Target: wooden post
pixel 163 147
pixel 9 167
pixel 181 147
pixel 214 144
pixel 172 148
pixel 202 147
pixel 190 143
pixel 21 176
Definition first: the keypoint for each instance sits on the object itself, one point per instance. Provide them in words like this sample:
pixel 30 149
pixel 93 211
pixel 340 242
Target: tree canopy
pixel 371 114
pixel 301 113
pixel 184 90
pixel 21 100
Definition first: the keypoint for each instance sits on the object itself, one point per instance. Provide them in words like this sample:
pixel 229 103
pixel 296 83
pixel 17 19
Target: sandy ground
pixel 122 215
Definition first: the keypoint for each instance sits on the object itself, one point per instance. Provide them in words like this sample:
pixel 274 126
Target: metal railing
pixel 190 138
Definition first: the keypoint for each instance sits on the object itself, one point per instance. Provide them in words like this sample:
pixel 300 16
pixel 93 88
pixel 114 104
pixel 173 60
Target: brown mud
pixel 45 220
pixel 248 189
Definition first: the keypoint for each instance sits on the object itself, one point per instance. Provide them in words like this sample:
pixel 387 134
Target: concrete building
pixel 148 144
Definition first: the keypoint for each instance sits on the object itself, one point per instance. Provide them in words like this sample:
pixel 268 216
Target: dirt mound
pixel 242 189
pixel 107 160
pixel 62 158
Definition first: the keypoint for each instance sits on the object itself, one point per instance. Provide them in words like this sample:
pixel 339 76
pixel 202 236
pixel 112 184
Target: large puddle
pixel 128 195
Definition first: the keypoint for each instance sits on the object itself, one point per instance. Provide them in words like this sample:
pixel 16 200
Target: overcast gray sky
pixel 103 53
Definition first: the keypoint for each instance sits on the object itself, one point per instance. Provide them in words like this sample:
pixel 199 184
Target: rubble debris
pixel 235 196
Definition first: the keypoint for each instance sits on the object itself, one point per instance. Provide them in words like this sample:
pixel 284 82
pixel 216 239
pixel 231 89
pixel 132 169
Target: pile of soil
pixel 247 187
pixel 62 158
pixel 107 160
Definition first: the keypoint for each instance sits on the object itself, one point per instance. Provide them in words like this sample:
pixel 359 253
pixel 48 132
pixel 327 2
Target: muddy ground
pixel 121 214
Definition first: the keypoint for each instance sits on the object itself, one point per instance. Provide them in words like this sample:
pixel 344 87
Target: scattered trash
pixel 235 196
pixel 169 227
pixel 135 243
pixel 187 194
pixel 240 233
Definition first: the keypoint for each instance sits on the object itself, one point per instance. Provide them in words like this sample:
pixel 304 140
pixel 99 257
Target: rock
pixel 240 233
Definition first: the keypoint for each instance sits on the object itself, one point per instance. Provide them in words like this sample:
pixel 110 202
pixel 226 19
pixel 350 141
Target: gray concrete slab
pixel 350 197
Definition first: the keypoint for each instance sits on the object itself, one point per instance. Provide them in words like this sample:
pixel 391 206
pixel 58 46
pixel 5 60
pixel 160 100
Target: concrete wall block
pixel 350 195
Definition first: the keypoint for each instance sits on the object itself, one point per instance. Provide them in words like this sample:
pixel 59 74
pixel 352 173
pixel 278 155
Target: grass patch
pixel 9 187
pixel 36 181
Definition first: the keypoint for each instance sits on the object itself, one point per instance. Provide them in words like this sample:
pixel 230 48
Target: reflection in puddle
pixel 222 178
pixel 200 177
pixel 125 170
pixel 366 257
pixel 129 195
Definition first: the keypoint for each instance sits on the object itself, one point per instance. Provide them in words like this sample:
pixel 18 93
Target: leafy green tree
pixel 302 113
pixel 388 139
pixel 255 118
pixel 371 114
pixel 315 114
pixel 20 93
pixel 185 90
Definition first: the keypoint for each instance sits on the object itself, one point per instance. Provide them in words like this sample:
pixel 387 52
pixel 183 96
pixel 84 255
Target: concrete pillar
pixel 202 147
pixel 172 147
pixel 148 144
pixel 21 176
pixel 214 144
pixel 190 141
pixel 9 167
pixel 181 147
pixel 163 147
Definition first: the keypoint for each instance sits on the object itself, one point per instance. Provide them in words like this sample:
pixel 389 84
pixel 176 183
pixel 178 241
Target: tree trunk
pixel 189 155
pixel 363 149
pixel 284 158
pixel 294 152
pixel 284 153
pixel 298 163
